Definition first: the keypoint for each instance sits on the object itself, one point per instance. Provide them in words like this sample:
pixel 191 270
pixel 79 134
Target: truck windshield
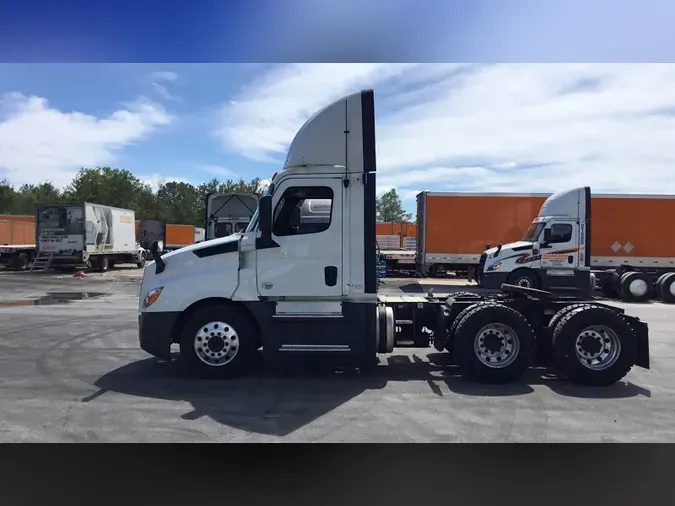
pixel 534 231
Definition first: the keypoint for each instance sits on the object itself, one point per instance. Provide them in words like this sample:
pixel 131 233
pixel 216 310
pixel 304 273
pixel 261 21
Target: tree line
pixel 169 201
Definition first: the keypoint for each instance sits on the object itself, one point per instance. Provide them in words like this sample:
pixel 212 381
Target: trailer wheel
pixel 23 262
pixel 635 286
pixel 103 263
pixel 494 344
pixel 657 285
pixel 610 285
pixel 525 278
pixel 594 345
pixel 141 263
pixel 218 342
pixel 667 288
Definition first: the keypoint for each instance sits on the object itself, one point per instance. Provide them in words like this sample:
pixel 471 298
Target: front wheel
pixel 525 278
pixel 218 342
pixel 494 343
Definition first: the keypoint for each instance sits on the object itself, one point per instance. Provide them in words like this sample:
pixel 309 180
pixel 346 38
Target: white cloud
pixel 164 76
pixel 158 78
pixel 260 122
pixel 41 143
pixel 155 180
pixel 218 171
pixel 525 127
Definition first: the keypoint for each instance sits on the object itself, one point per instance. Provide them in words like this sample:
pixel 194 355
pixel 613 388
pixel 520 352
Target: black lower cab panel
pixel 348 336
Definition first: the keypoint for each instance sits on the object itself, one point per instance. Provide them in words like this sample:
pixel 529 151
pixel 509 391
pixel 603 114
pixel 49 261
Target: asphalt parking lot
pixel 71 371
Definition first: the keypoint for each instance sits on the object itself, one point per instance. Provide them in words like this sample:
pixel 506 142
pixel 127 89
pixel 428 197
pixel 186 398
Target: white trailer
pixel 89 234
pixel 312 294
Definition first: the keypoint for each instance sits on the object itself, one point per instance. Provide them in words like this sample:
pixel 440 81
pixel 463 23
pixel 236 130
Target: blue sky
pixel 483 127
pixel 453 127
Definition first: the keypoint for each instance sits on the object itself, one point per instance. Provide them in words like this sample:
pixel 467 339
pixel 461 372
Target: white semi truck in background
pixel 557 251
pixel 228 213
pixel 312 294
pixel 90 234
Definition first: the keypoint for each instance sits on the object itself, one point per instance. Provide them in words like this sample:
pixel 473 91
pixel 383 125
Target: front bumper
pixel 155 331
pixel 493 280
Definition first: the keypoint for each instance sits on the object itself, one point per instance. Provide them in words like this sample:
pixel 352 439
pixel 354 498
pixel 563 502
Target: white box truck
pixel 311 294
pixel 89 234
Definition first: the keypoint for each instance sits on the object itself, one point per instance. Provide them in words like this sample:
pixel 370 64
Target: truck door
pixel 306 257
pixel 561 251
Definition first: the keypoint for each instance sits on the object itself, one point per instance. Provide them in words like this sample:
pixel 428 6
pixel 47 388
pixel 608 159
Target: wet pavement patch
pixel 53 299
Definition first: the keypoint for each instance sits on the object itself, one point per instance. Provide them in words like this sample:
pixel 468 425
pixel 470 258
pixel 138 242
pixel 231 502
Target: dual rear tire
pixel 588 344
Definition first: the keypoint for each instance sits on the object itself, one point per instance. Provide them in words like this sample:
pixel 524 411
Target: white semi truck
pixel 311 294
pixel 556 253
pixel 228 213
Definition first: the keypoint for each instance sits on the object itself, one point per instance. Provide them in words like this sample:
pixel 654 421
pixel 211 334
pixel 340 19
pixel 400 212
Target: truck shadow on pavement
pixel 277 402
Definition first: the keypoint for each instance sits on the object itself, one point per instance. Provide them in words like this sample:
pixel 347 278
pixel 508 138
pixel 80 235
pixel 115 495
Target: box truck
pixel 17 241
pixel 311 293
pixel 228 213
pixel 578 239
pixel 85 234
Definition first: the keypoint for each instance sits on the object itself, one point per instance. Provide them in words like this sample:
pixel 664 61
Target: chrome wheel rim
pixel 597 347
pixel 638 287
pixel 216 343
pixel 524 282
pixel 496 345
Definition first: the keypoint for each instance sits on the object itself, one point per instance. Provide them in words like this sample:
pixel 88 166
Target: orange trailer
pixel 17 241
pixel 396 235
pixel 454 228
pixel 177 236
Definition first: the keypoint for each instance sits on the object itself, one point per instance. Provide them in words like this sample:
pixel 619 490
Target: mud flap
pixel 642 333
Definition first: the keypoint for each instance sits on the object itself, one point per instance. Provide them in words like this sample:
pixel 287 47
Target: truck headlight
pixel 495 267
pixel 152 296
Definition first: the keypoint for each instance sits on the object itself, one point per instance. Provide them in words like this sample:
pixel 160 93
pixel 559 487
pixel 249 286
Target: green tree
pixel 7 196
pixel 390 208
pixel 29 195
pixel 178 203
pixel 172 202
pixel 103 185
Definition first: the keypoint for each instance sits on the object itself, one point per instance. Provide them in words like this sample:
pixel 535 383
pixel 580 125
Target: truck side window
pixel 297 213
pixel 561 232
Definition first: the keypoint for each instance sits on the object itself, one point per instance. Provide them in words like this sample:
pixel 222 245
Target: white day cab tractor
pixel 308 290
pixel 556 255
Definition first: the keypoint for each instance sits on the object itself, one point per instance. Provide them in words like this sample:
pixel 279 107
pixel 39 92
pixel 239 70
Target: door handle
pixel 330 275
pixel 570 259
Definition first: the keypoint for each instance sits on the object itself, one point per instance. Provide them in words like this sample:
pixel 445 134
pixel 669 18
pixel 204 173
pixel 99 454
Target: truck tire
pixel 594 345
pixel 462 314
pixel 635 286
pixel 141 263
pixel 103 263
pixel 218 342
pixel 610 285
pixel 494 344
pixel 23 262
pixel 667 288
pixel 657 285
pixel 525 278
pixel 545 340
